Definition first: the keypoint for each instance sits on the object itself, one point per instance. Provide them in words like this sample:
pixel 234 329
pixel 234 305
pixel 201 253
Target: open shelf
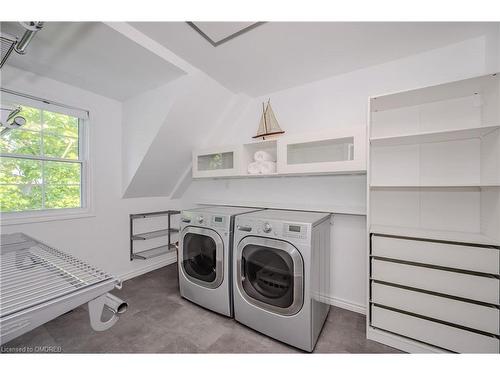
pixel 301 206
pixel 249 150
pixel 154 252
pixel 154 234
pixel 438 136
pixel 436 93
pixel 452 236
pixel 148 233
pixel 154 214
pixel 279 175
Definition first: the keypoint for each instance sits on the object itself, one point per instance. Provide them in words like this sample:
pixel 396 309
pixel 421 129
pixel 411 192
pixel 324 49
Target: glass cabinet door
pixel 216 162
pixel 330 150
pixel 221 160
pixel 336 151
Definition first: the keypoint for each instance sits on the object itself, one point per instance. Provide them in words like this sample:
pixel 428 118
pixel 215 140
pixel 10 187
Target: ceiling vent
pixel 217 33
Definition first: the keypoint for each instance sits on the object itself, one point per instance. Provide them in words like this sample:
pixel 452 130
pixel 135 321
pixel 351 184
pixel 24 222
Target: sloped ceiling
pixel 197 107
pixel 280 55
pixel 92 56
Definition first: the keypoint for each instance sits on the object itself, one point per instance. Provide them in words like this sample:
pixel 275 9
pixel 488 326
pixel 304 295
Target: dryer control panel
pixel 273 228
pixel 295 230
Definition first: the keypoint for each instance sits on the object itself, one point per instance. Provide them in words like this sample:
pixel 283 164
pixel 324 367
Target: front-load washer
pixel 281 274
pixel 204 256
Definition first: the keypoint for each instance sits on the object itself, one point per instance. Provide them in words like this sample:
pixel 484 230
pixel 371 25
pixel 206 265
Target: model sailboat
pixel 268 123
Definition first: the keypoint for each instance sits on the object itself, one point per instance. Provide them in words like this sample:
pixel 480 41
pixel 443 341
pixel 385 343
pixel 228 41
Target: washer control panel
pixel 295 230
pixel 218 221
pixel 204 219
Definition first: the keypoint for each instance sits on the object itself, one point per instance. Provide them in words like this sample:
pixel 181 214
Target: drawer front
pixel 479 259
pixel 466 314
pixel 441 335
pixel 478 288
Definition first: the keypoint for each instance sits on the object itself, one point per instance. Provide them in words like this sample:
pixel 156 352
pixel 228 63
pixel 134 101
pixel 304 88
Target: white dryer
pixel 204 257
pixel 281 277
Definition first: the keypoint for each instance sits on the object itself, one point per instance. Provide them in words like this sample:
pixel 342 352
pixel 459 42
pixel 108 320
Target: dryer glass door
pixel 201 256
pixel 270 274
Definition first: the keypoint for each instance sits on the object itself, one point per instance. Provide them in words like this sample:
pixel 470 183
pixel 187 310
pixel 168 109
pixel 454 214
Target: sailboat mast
pixel 264 110
pixel 265 121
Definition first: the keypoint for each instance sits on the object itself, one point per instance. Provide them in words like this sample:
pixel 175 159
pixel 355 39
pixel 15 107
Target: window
pixel 43 162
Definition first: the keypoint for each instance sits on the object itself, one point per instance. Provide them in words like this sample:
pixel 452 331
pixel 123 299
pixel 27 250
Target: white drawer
pixel 441 335
pixel 483 318
pixel 480 259
pixel 478 288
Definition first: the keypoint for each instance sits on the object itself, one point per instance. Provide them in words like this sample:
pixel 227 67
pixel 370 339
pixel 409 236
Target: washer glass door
pixel 270 274
pixel 201 256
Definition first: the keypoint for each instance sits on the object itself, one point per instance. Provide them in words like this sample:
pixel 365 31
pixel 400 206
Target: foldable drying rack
pixel 38 283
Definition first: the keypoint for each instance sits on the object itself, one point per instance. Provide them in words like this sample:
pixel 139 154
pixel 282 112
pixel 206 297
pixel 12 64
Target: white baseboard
pixel 169 259
pixel 344 304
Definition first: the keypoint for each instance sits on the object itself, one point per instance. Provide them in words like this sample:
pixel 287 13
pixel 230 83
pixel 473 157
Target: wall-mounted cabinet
pixel 340 151
pixel 217 162
pixel 334 152
pixel 434 212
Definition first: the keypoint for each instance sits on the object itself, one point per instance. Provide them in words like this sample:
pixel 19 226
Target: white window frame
pixel 86 208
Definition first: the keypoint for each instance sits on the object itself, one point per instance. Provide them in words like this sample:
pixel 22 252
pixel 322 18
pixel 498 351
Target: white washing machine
pixel 204 257
pixel 281 278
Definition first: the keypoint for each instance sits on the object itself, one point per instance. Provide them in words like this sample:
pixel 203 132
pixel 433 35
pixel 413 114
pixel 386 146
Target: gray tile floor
pixel 160 321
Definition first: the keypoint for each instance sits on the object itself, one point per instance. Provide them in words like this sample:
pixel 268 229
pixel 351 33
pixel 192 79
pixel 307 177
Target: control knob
pixel 267 228
pixel 199 219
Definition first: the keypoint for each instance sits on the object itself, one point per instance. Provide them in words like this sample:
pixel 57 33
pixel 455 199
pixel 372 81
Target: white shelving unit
pixel 340 151
pixel 433 177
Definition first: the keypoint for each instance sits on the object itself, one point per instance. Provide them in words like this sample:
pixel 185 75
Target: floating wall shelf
pixel 341 151
pixel 439 136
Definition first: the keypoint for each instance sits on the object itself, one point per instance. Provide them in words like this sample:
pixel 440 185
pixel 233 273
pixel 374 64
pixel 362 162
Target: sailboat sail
pixel 268 124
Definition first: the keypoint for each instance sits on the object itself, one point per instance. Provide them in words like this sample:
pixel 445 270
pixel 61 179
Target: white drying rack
pixel 38 283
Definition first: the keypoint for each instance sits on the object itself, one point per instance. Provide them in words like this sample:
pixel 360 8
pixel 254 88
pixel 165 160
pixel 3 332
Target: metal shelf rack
pixel 155 251
pixel 39 283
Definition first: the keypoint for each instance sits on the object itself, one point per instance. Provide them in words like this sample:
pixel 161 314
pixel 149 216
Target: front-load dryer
pixel 204 256
pixel 281 274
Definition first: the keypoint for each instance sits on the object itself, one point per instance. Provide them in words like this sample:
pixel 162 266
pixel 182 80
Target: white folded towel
pixel 267 167
pixel 263 156
pixel 254 168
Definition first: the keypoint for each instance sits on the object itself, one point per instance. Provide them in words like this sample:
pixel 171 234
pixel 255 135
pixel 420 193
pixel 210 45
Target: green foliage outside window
pixel 36 183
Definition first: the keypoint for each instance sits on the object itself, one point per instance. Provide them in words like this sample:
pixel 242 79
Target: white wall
pixel 103 239
pixel 338 102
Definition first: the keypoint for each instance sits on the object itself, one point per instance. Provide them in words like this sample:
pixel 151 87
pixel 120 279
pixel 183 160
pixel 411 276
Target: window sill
pixel 39 217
